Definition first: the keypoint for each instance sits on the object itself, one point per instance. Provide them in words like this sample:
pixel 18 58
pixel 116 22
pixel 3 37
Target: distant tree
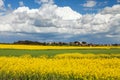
pixel 28 42
pixel 76 43
pixel 84 42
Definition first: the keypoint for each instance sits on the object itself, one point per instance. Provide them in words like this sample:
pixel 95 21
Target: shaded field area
pixel 35 53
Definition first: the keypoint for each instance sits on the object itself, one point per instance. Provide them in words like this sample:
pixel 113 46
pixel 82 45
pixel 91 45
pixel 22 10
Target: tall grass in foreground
pixel 61 67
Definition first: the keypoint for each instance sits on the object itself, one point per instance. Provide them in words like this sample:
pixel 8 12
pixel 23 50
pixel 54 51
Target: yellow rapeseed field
pixel 38 47
pixel 61 67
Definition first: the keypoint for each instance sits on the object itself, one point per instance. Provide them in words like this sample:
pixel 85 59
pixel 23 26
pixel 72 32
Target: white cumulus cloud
pixel 1 4
pixel 44 1
pixel 50 18
pixel 90 3
pixel 21 3
pixel 118 1
pixel 9 6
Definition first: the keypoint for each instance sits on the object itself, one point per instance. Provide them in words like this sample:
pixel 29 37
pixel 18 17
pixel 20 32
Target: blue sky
pixel 76 5
pixel 93 21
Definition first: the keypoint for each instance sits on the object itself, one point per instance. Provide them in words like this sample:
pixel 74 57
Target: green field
pixel 34 53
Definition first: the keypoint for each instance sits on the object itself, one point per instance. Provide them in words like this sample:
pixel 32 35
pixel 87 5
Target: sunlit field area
pixel 37 47
pixel 30 62
pixel 61 67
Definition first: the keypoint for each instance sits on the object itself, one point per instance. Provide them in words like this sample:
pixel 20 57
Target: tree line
pixel 75 43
